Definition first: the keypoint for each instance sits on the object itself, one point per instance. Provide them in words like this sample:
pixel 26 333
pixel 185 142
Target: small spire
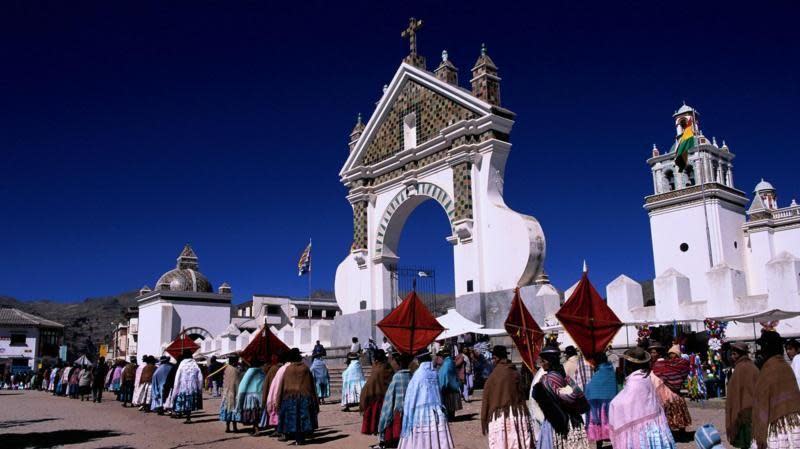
pixel 483 49
pixel 358 121
pixel 714 141
pixel 655 150
pixel 585 268
pixel 444 55
pixel 794 203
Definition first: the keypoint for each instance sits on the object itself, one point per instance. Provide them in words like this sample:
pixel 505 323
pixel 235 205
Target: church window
pixel 684 247
pixel 273 310
pixel 469 286
pixel 410 131
pixel 690 179
pixel 670 177
pixel 18 340
pixel 363 305
pixel 735 244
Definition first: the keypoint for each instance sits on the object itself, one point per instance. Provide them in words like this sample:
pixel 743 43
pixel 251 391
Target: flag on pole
pixel 304 264
pixel 685 143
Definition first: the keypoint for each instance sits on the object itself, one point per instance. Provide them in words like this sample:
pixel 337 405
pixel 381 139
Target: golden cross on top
pixel 411 34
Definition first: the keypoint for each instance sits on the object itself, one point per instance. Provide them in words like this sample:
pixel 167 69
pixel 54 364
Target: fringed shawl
pixel 739 403
pixel 376 385
pixel 673 372
pixel 230 384
pixel 394 398
pixel 297 382
pixel 634 410
pixel 147 374
pixel 502 394
pixel 423 401
pixel 776 396
pixel 447 376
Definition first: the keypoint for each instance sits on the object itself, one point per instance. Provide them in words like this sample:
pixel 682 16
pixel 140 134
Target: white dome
pixel 762 186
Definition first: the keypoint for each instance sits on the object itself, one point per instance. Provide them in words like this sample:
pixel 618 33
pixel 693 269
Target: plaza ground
pixel 32 419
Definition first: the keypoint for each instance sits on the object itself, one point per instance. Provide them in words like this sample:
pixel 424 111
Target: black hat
pixel 656 345
pixel 637 355
pixel 550 350
pixel 741 347
pixel 570 350
pixel 499 351
pixel 164 359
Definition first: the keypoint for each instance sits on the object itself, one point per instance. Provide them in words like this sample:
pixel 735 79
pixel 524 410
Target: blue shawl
pixel 319 371
pixel 394 399
pixel 447 376
pixel 423 402
pixel 159 379
pixel 603 385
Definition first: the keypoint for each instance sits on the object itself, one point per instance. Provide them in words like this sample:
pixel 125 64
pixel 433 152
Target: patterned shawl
pixel 739 403
pixel 776 396
pixel 673 372
pixel 376 385
pixel 188 378
pixel 394 398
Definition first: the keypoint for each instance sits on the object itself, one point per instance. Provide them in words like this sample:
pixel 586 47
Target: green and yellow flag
pixel 685 143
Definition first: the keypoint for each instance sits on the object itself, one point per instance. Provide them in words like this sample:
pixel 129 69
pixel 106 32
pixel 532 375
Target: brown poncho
pixel 298 382
pixel 776 396
pixel 502 393
pixel 739 404
pixel 271 371
pixel 377 384
pixel 129 372
pixel 147 374
pixel 230 384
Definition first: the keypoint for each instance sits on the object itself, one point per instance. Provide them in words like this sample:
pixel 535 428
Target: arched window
pixel 669 176
pixel 690 180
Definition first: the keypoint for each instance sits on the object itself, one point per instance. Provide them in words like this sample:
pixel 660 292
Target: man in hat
pixel 371 400
pixel 636 419
pixel 739 403
pixel 504 414
pixel 424 420
pixel 159 391
pixel 448 382
pixel 298 406
pixel 562 405
pixel 776 407
pixel 390 424
pixel 792 349
pixel 128 381
pixel 352 382
pixel 669 376
pixel 231 376
pixel 187 391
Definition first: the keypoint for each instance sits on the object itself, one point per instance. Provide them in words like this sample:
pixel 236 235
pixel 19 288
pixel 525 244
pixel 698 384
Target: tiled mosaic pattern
pixel 462 187
pixel 360 225
pixel 423 188
pixel 434 113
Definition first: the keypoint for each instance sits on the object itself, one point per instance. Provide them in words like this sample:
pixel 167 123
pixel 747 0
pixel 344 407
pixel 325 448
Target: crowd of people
pixel 633 400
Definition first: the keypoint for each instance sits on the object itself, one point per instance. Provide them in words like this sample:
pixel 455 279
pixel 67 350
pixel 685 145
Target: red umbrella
pixel 588 319
pixel 181 343
pixel 524 331
pixel 263 347
pixel 411 326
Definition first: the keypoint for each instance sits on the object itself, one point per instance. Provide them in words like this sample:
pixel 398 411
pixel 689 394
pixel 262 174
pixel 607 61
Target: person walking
pixel 298 400
pixel 98 380
pixel 215 374
pixel 425 424
pixel 188 387
pixel 776 406
pixel 352 382
pixel 231 377
pixel 128 381
pixel 371 400
pixel 504 414
pixel 740 397
pixel 322 379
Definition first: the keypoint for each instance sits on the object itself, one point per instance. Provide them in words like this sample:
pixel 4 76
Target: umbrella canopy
pixel 83 360
pixel 411 326
pixel 456 324
pixel 588 319
pixel 181 343
pixel 524 331
pixel 263 346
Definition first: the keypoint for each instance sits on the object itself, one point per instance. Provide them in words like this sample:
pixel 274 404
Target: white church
pixel 716 252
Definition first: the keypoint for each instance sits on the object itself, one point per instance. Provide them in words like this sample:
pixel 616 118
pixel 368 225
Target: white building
pixel 713 255
pixel 26 340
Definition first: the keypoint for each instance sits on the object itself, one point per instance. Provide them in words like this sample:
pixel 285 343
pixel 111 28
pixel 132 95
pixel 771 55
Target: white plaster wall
pixel 214 318
pixel 787 240
pixel 727 236
pixel 624 294
pixel 152 317
pixel 759 251
pixel 27 351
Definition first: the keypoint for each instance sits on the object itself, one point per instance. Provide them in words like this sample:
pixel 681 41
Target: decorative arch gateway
pixel 428 139
pixel 195 332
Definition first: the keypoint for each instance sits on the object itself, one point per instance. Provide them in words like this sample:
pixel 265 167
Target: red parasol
pixel 181 343
pixel 411 326
pixel 263 347
pixel 524 331
pixel 588 319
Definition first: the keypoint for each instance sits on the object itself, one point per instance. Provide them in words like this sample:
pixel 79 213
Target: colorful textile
pixel 537 416
pixel 784 433
pixel 352 383
pixel 157 396
pixel 304 264
pixel 392 407
pixel 599 392
pixel 424 422
pixel 248 396
pixel 188 387
pixel 673 372
pixel 451 388
pixel 685 143
pixel 636 418
pixel 322 380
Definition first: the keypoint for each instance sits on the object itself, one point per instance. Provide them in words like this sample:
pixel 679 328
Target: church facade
pixel 716 252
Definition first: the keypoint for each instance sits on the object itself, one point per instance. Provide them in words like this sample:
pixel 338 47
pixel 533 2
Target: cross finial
pixel 359 122
pixel 483 49
pixel 444 55
pixel 411 34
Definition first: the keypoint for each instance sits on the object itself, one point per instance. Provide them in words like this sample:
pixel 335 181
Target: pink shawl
pixel 273 398
pixel 633 409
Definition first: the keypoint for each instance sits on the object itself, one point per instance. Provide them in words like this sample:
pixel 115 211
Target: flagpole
pixel 703 192
pixel 309 269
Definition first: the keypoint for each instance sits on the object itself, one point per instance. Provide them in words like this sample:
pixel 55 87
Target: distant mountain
pixel 87 323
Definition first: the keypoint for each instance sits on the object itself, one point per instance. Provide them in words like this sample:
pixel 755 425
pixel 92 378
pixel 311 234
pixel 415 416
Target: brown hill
pixel 87 323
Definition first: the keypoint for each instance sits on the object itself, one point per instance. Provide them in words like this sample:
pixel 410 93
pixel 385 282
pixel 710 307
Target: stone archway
pixel 198 332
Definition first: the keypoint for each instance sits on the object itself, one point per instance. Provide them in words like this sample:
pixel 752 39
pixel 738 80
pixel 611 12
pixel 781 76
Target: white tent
pixel 456 324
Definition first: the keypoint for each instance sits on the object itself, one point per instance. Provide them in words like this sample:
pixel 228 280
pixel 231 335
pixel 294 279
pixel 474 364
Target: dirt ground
pixel 31 419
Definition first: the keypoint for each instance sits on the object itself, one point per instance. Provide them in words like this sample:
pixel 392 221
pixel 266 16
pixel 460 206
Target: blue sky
pixel 130 128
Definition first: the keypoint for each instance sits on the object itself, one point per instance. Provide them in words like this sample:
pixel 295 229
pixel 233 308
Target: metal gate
pixel 406 279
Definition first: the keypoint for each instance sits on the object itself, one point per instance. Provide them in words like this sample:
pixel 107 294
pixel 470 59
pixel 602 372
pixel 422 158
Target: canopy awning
pixel 456 324
pixel 758 317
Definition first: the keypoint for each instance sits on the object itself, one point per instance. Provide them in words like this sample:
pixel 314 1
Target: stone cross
pixel 411 34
